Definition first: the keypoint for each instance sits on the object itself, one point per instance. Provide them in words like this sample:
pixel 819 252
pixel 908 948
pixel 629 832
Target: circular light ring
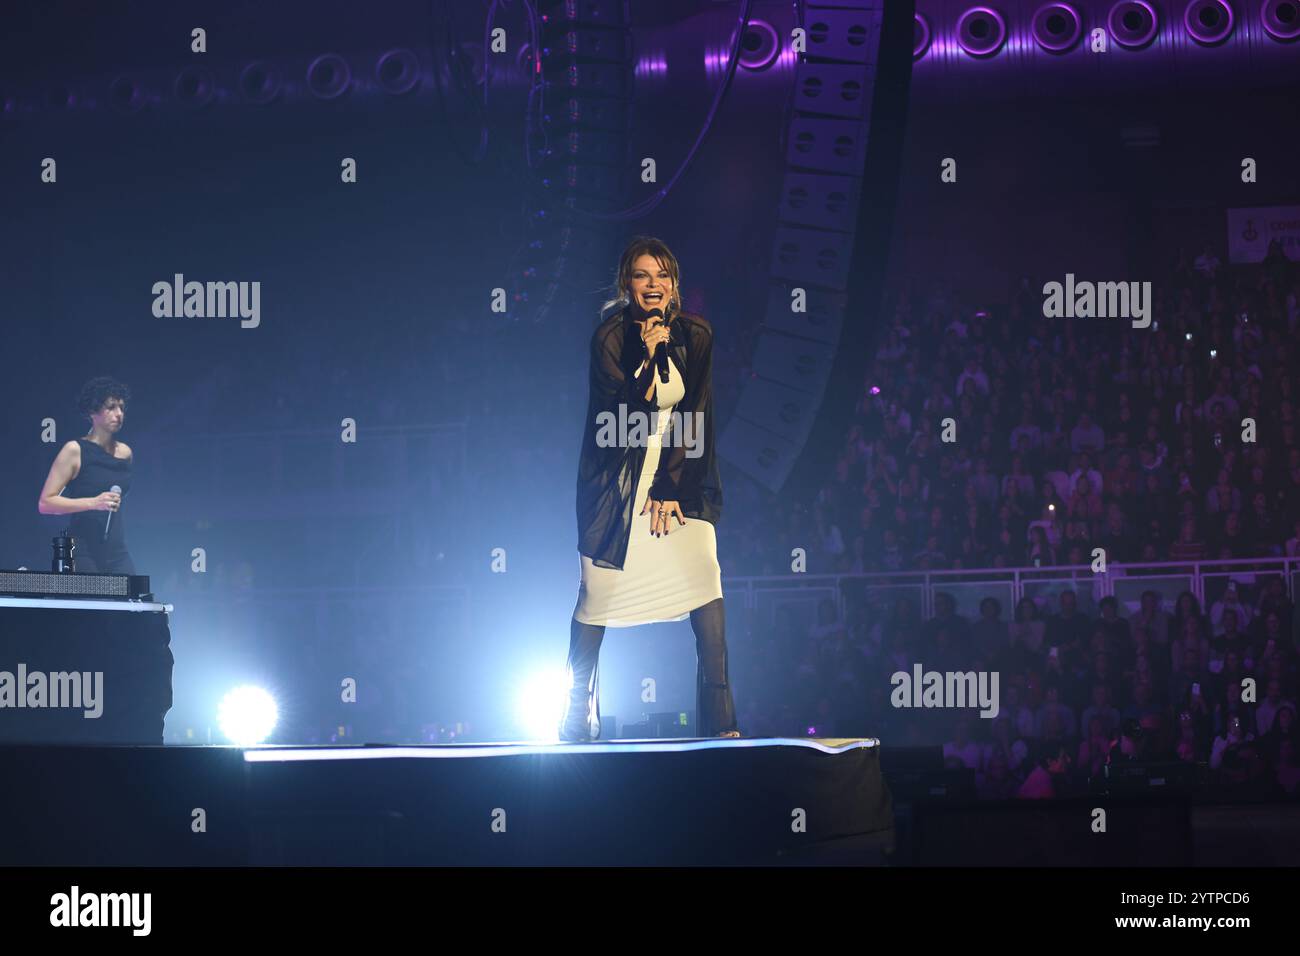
pixel 1218 12
pixel 920 36
pixel 397 71
pixel 125 95
pixel 981 31
pixel 194 87
pixel 766 50
pixel 259 83
pixel 1142 32
pixel 1057 27
pixel 1281 19
pixel 328 76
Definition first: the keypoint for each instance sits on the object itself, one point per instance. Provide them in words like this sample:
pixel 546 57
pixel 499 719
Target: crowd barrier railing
pixel 760 597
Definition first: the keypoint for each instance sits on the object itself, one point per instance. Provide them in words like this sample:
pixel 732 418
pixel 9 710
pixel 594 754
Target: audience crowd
pixel 1000 438
pixel 996 438
pixel 1077 693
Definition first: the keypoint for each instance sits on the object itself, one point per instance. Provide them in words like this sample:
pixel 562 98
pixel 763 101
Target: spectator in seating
pixel 1067 630
pixel 1083 504
pixel 1293 543
pixel 989 635
pixel 1087 435
pixel 962 748
pixel 1026 636
pixel 997 781
pixel 1190 746
pixel 1230 742
pixel 1273 702
pixel 1084 469
pixel 1054 710
pixel 1153 616
pixel 1188 546
pixel 1102 709
pixel 1231 600
pixel 1118 635
pixel 1222 497
pixel 1041 554
pixel 1047 777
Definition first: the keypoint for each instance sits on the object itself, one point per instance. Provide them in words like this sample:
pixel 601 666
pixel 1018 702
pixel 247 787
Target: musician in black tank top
pixel 82 474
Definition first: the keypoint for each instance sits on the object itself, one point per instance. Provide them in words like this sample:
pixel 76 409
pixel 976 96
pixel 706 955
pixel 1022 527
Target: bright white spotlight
pixel 247 715
pixel 539 703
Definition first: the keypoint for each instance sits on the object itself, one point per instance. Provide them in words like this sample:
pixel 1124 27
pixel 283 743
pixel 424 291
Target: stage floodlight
pixel 539 704
pixel 247 715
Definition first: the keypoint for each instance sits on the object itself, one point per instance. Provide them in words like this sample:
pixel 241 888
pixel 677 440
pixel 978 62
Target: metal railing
pixel 968 586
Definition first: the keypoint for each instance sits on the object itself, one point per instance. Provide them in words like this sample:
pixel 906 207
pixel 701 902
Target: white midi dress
pixel 664 578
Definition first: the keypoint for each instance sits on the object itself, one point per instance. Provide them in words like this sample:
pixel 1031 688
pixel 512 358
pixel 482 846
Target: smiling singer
pixel 648 550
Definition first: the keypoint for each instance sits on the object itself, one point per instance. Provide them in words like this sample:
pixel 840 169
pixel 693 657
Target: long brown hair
pixel 643 246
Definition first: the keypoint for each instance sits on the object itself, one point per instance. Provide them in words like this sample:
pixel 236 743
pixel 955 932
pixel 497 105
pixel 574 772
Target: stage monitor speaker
pixel 797 365
pixel 764 456
pixel 784 412
pixel 92 586
pixel 821 317
pixel 819 200
pixel 829 246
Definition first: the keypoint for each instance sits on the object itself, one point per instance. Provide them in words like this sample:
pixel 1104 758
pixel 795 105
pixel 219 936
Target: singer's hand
pixel 653 331
pixel 107 501
pixel 671 509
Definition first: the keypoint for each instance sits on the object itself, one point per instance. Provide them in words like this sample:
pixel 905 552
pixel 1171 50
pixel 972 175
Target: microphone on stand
pixel 661 350
pixel 117 490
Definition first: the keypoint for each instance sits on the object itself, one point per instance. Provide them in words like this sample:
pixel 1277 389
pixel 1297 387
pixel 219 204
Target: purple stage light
pixel 194 87
pixel 1208 21
pixel 981 31
pixel 1132 23
pixel 125 95
pixel 1056 27
pixel 397 71
pixel 759 46
pixel 329 76
pixel 655 64
pixel 920 36
pixel 715 59
pixel 259 83
pixel 1281 19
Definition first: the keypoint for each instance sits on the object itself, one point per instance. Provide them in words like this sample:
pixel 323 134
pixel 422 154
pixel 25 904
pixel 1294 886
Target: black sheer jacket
pixel 607 477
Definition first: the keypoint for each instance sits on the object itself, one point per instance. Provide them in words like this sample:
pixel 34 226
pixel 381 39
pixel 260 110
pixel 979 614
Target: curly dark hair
pixel 98 391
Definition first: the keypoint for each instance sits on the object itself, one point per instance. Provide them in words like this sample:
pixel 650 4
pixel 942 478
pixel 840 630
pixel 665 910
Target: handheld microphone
pixel 661 350
pixel 117 490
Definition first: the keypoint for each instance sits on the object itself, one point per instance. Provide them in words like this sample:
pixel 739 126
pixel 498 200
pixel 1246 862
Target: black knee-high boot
pixel 581 720
pixel 715 711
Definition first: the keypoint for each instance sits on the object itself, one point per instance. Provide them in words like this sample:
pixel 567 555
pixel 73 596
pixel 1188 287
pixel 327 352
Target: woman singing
pixel 648 553
pixel 82 474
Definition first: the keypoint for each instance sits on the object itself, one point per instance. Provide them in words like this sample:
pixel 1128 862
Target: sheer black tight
pixel 715 711
pixel 582 713
pixel 714 707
